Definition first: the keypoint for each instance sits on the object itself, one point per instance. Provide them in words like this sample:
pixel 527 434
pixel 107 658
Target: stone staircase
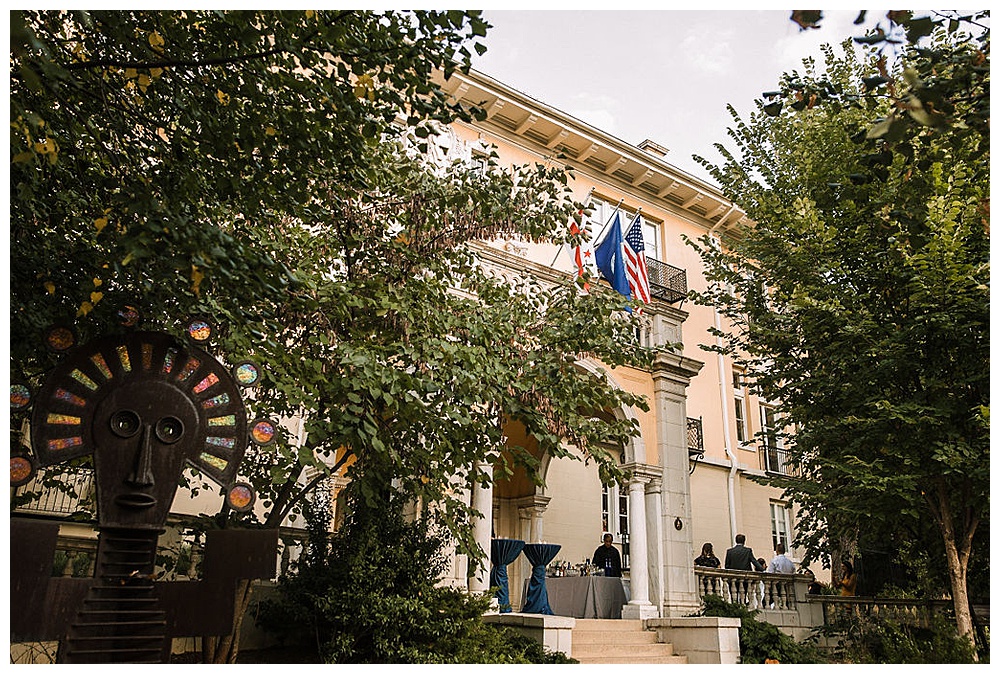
pixel 623 642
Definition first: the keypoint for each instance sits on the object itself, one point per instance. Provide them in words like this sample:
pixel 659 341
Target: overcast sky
pixel 665 75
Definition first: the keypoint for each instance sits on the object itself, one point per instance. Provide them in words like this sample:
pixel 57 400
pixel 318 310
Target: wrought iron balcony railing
pixel 695 441
pixel 666 282
pixel 776 460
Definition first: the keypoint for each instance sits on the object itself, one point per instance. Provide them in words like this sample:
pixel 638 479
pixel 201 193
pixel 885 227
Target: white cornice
pixel 552 134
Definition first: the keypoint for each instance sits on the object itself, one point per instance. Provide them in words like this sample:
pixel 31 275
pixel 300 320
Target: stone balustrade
pixel 783 600
pixel 756 591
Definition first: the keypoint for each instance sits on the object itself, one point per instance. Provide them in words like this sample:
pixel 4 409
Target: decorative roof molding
pixel 638 171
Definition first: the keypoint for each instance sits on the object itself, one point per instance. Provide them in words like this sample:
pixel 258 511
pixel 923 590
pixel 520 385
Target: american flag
pixel 635 260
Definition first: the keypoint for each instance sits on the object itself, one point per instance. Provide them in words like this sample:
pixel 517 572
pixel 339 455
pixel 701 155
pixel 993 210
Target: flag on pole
pixel 635 260
pixel 583 254
pixel 609 258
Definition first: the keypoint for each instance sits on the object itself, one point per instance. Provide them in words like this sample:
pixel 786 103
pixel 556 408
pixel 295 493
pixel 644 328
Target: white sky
pixel 665 75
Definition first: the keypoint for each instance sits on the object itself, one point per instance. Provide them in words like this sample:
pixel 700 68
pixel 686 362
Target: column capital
pixel 675 367
pixel 533 505
pixel 643 472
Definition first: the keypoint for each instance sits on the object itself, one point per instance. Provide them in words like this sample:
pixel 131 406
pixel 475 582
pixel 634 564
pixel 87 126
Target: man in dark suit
pixel 741 557
pixel 607 557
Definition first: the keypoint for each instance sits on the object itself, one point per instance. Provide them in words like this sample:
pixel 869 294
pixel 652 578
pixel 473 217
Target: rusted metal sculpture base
pixel 122 615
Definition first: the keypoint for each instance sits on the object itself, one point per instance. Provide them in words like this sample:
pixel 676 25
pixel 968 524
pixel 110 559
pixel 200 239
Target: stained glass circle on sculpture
pixel 247 374
pixel 22 469
pixel 20 396
pixel 129 317
pixel 214 435
pixel 59 338
pixel 199 329
pixel 240 497
pixel 263 431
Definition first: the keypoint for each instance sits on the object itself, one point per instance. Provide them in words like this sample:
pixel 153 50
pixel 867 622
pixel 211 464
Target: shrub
pixel 872 640
pixel 372 598
pixel 761 641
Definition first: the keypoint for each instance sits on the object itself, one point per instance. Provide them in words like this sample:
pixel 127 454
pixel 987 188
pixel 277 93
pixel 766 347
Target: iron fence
pixel 666 282
pixel 777 460
pixel 60 491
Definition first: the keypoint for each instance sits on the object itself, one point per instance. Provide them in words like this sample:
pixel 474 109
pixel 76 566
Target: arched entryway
pixel 572 508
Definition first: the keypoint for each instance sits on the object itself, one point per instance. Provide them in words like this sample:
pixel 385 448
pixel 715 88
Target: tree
pixel 408 359
pixel 374 597
pixel 858 297
pixel 267 169
pixel 148 147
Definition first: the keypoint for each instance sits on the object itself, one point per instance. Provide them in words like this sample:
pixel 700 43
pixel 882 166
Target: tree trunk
pixel 957 553
pixel 959 592
pixel 223 650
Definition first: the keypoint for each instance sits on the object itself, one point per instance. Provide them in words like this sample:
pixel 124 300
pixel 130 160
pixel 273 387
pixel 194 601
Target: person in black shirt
pixel 707 557
pixel 741 557
pixel 606 557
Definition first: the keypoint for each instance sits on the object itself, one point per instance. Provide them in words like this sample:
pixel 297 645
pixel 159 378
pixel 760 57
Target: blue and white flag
pixel 610 260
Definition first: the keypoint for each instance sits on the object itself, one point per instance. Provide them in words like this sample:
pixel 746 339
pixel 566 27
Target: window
pixel 480 163
pixel 739 395
pixel 623 512
pixel 601 212
pixel 780 528
pixel 769 428
pixel 614 517
pixel 614 514
pixel 772 457
pixel 651 239
pixel 614 511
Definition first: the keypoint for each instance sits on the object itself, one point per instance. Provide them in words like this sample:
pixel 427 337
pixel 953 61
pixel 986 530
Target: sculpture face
pixel 143 404
pixel 143 434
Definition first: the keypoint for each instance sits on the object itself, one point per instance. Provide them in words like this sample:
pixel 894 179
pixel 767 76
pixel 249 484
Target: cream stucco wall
pixel 573 516
pixel 710 509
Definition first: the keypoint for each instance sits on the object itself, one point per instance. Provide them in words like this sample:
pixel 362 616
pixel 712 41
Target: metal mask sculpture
pixel 144 404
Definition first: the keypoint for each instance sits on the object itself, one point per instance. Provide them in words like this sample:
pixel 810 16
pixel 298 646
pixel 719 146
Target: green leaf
pixel 880 128
pixel 918 28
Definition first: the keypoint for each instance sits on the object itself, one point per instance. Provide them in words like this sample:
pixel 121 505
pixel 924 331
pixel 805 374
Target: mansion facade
pixel 705 437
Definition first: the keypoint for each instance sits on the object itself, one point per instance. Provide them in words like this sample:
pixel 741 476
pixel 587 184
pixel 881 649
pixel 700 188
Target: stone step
pixel 635 659
pixel 618 637
pixel 581 651
pixel 594 624
pixel 623 642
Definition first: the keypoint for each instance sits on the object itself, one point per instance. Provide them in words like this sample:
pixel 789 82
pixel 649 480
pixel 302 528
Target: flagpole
pixel 598 237
pixel 586 200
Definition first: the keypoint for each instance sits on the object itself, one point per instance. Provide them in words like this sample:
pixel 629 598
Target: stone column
pixel 671 376
pixel 638 607
pixel 654 536
pixel 523 567
pixel 482 500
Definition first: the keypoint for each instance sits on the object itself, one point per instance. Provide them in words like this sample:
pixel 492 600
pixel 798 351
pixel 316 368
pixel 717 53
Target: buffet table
pixel 587 596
